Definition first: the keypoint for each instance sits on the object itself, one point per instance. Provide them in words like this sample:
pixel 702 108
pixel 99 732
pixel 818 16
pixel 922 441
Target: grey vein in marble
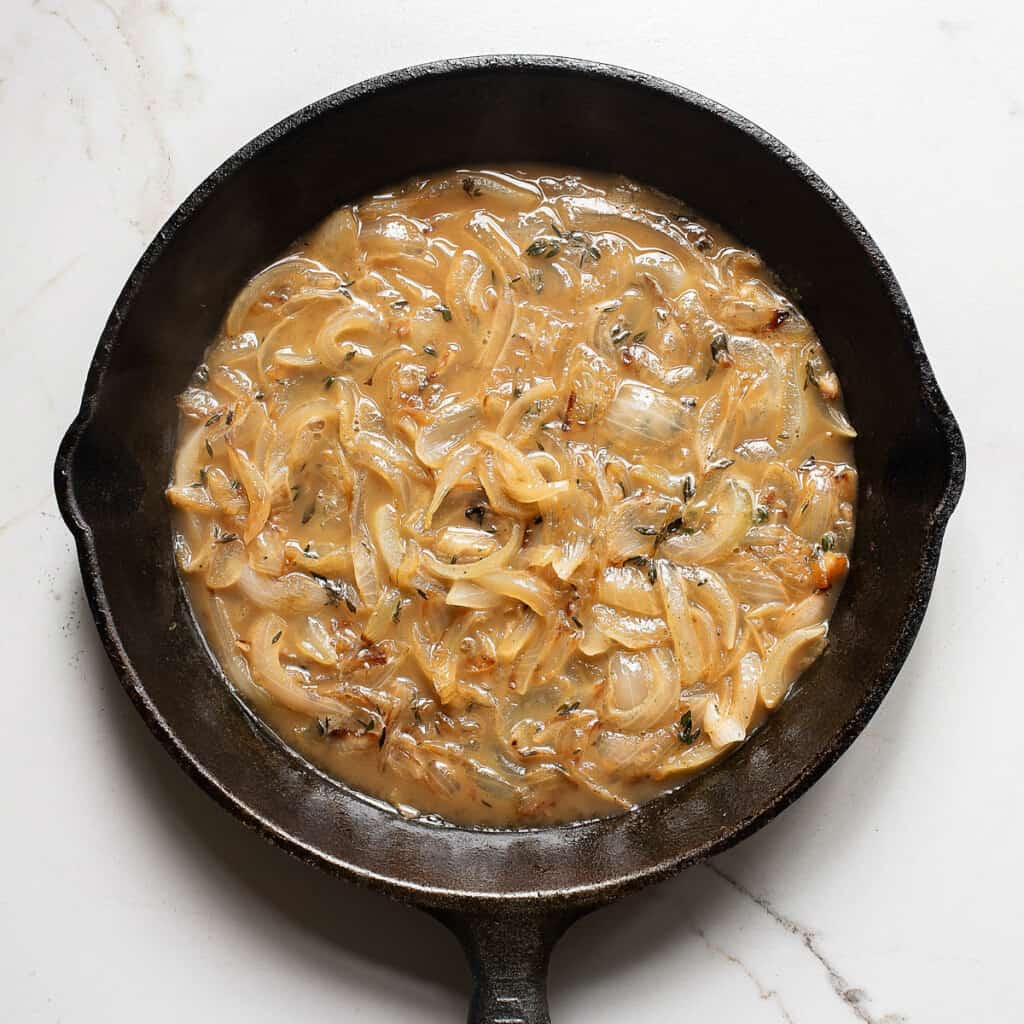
pixel 763 991
pixel 143 103
pixel 851 996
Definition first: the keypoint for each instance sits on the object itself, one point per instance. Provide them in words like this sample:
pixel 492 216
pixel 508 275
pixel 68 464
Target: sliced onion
pixel 448 430
pixel 664 269
pixel 710 590
pixel 294 277
pixel 364 555
pixel 293 592
pixel 692 665
pixel 465 541
pixel 633 631
pixel 692 758
pixel 545 645
pixel 817 506
pixel 467 594
pixel 497 497
pixel 385 526
pixel 521 478
pixel 353 328
pixel 328 562
pixel 518 635
pixel 792 406
pixel 522 586
pixel 790 656
pixel 192 499
pixel 632 525
pixel 571 555
pixel 811 611
pixel 642 690
pixel 226 565
pixel 503 190
pixel 726 528
pixel 594 642
pixel 438 663
pixel 626 587
pixel 381 620
pixel 223 492
pixel 732 726
pixel 284 688
pixel 337 240
pixel 521 409
pixel 316 644
pixel 268 552
pixel 753 583
pixel 457 466
pixel 471 570
pixel 389 460
pixel 256 491
pixel 223 640
pixel 393 235
pixel 643 416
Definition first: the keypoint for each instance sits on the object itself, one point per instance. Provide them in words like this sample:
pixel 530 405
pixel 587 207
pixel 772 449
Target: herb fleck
pixel 276 637
pixel 685 732
pixel 720 349
pixel 337 591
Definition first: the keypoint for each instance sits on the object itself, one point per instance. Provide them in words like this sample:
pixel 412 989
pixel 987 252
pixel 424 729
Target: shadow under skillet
pixel 360 923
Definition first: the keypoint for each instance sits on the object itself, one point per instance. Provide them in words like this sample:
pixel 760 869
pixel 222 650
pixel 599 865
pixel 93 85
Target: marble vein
pixel 83 38
pixel 150 115
pixel 851 996
pixel 25 513
pixel 763 991
pixel 38 292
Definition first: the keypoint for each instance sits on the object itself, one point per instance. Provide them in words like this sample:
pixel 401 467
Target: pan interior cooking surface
pixel 514 495
pixel 508 894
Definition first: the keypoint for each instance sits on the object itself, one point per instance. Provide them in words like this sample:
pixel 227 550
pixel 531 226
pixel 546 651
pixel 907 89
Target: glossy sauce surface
pixel 514 496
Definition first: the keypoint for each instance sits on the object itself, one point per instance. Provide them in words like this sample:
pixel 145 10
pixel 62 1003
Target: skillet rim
pixel 614 885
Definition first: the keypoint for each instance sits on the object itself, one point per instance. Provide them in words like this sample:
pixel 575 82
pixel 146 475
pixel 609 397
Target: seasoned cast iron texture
pixel 508 895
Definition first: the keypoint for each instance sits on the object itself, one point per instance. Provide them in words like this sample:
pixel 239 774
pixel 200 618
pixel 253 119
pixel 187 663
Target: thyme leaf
pixel 685 732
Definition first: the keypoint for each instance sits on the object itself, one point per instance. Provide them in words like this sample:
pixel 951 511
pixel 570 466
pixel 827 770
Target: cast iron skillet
pixel 507 895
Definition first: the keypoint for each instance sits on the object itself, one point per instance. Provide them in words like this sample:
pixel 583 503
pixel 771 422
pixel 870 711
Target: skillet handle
pixel 508 954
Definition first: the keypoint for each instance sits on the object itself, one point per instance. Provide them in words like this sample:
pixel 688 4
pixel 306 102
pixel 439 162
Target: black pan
pixel 507 895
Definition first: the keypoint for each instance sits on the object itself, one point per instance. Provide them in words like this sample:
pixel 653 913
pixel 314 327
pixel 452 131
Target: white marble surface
pixel 891 892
